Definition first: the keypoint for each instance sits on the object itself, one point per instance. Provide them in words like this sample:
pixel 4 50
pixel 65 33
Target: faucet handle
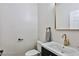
pixel 64 35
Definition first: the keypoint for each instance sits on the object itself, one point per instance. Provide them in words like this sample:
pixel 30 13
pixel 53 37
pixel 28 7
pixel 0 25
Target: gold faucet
pixel 66 41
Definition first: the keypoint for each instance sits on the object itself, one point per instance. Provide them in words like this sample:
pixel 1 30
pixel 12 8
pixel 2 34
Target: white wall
pixel 46 18
pixel 18 21
pixel 0 33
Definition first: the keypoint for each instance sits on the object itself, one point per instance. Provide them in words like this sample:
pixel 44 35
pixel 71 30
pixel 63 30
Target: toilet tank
pixel 39 45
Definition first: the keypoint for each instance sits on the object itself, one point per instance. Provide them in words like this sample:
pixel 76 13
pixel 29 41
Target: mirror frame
pixel 61 29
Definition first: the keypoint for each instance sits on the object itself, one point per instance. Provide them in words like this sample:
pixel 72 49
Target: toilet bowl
pixel 32 52
pixel 35 52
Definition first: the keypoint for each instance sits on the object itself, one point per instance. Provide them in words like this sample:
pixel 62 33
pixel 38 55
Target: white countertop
pixel 59 50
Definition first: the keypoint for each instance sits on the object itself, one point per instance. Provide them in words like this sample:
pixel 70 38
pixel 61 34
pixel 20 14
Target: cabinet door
pixel 46 52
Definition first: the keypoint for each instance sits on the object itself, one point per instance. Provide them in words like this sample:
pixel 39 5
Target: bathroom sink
pixel 70 51
pixel 60 50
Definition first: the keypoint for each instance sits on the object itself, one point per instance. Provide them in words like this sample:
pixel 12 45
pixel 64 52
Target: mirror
pixel 67 16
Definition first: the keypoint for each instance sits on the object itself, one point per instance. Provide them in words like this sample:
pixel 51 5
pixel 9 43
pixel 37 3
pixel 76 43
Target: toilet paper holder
pixel 19 39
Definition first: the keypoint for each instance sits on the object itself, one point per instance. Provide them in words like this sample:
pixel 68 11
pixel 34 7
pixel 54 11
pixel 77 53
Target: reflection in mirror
pixel 67 16
pixel 74 19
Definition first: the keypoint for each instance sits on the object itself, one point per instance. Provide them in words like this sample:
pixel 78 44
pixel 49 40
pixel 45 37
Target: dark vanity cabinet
pixel 1 51
pixel 46 52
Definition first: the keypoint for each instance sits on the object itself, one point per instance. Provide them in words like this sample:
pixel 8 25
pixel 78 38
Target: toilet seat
pixel 32 53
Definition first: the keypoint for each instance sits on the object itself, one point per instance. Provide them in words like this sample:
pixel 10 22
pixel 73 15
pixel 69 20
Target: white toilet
pixel 35 52
pixel 32 52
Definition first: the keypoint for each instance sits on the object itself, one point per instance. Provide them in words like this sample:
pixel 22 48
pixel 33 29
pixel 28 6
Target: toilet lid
pixel 32 52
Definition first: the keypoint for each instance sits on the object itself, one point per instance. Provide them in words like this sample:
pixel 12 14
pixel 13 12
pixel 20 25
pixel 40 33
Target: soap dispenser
pixel 66 41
